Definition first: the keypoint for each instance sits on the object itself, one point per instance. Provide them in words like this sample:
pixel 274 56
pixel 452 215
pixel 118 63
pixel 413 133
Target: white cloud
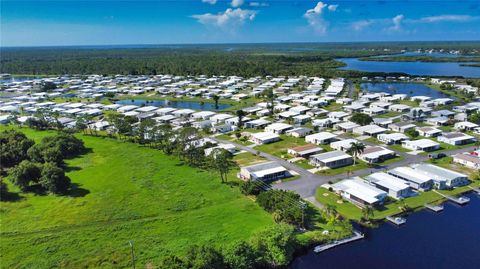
pixel 211 2
pixel 332 7
pixel 448 18
pixel 315 18
pixel 229 19
pixel 397 23
pixel 236 3
pixel 258 4
pixel 360 25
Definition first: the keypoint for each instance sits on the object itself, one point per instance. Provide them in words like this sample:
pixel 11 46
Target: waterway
pixel 445 240
pixel 410 89
pixel 174 104
pixel 412 68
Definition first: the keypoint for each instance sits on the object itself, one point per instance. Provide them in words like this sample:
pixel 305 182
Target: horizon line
pixel 241 43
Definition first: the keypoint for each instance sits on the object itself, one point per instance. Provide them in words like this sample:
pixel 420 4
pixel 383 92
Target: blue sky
pixel 68 22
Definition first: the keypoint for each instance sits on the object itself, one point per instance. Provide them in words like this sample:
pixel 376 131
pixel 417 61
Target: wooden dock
pixel 356 236
pixel 462 200
pixel 397 220
pixel 434 208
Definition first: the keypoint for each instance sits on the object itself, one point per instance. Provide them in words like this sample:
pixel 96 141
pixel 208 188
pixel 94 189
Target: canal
pixel 445 240
pixel 174 104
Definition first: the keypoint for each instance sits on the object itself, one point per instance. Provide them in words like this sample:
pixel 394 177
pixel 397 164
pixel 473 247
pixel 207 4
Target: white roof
pixel 388 181
pixel 264 135
pixel 321 136
pixel 422 143
pixel 346 143
pixel 410 174
pixel 273 170
pixel 360 189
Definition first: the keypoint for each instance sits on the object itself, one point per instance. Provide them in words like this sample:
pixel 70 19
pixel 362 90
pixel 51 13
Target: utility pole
pixel 130 242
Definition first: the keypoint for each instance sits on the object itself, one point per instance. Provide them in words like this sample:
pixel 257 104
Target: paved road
pixel 307 184
pixel 290 166
pixel 306 187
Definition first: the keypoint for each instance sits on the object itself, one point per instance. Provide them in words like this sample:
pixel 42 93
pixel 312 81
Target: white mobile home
pixel 359 192
pixel 394 186
pixel 332 159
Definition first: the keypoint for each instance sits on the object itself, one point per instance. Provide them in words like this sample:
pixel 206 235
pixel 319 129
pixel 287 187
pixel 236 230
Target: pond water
pixel 410 89
pixel 449 239
pixel 174 104
pixel 412 68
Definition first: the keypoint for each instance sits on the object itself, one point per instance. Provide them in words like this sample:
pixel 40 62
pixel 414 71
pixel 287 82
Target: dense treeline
pixel 151 61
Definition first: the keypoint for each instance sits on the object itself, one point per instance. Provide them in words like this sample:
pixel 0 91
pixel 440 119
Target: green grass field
pixel 123 192
pixel 280 148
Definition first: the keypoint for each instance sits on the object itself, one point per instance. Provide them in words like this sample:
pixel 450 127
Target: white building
pixel 394 186
pixel 360 193
pixel 421 144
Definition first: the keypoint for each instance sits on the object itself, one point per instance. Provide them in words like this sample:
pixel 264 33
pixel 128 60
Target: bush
pixel 285 204
pixel 24 174
pixel 240 256
pixel 275 246
pixel 205 257
pixel 53 179
pixel 251 187
pixel 56 148
pixel 3 190
pixel 13 148
pixel 361 118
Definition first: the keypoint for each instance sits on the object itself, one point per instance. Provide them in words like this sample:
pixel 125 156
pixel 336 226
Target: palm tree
pixel 356 148
pixel 270 96
pixel 240 115
pixel 215 99
pixel 330 210
pixel 367 212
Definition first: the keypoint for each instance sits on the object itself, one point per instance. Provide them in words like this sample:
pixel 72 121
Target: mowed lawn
pixel 124 192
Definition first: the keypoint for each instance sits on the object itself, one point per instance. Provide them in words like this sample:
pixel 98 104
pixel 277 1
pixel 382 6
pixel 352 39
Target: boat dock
pixel 434 208
pixel 462 200
pixel 397 220
pixel 475 189
pixel 356 236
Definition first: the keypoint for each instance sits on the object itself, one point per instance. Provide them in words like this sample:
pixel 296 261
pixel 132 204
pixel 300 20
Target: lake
pixel 174 104
pixel 410 89
pixel 412 68
pixel 445 240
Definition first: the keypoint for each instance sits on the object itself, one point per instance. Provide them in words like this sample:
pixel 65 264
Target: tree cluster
pixel 286 206
pixel 361 118
pixel 38 167
pixel 269 248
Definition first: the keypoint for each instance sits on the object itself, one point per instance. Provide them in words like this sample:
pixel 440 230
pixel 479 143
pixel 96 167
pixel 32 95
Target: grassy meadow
pixel 123 191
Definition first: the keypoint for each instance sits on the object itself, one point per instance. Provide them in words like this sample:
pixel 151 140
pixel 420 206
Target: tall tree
pixel 24 174
pixel 53 179
pixel 13 148
pixel 222 161
pixel 215 99
pixel 367 212
pixel 240 114
pixel 356 149
pixel 270 98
